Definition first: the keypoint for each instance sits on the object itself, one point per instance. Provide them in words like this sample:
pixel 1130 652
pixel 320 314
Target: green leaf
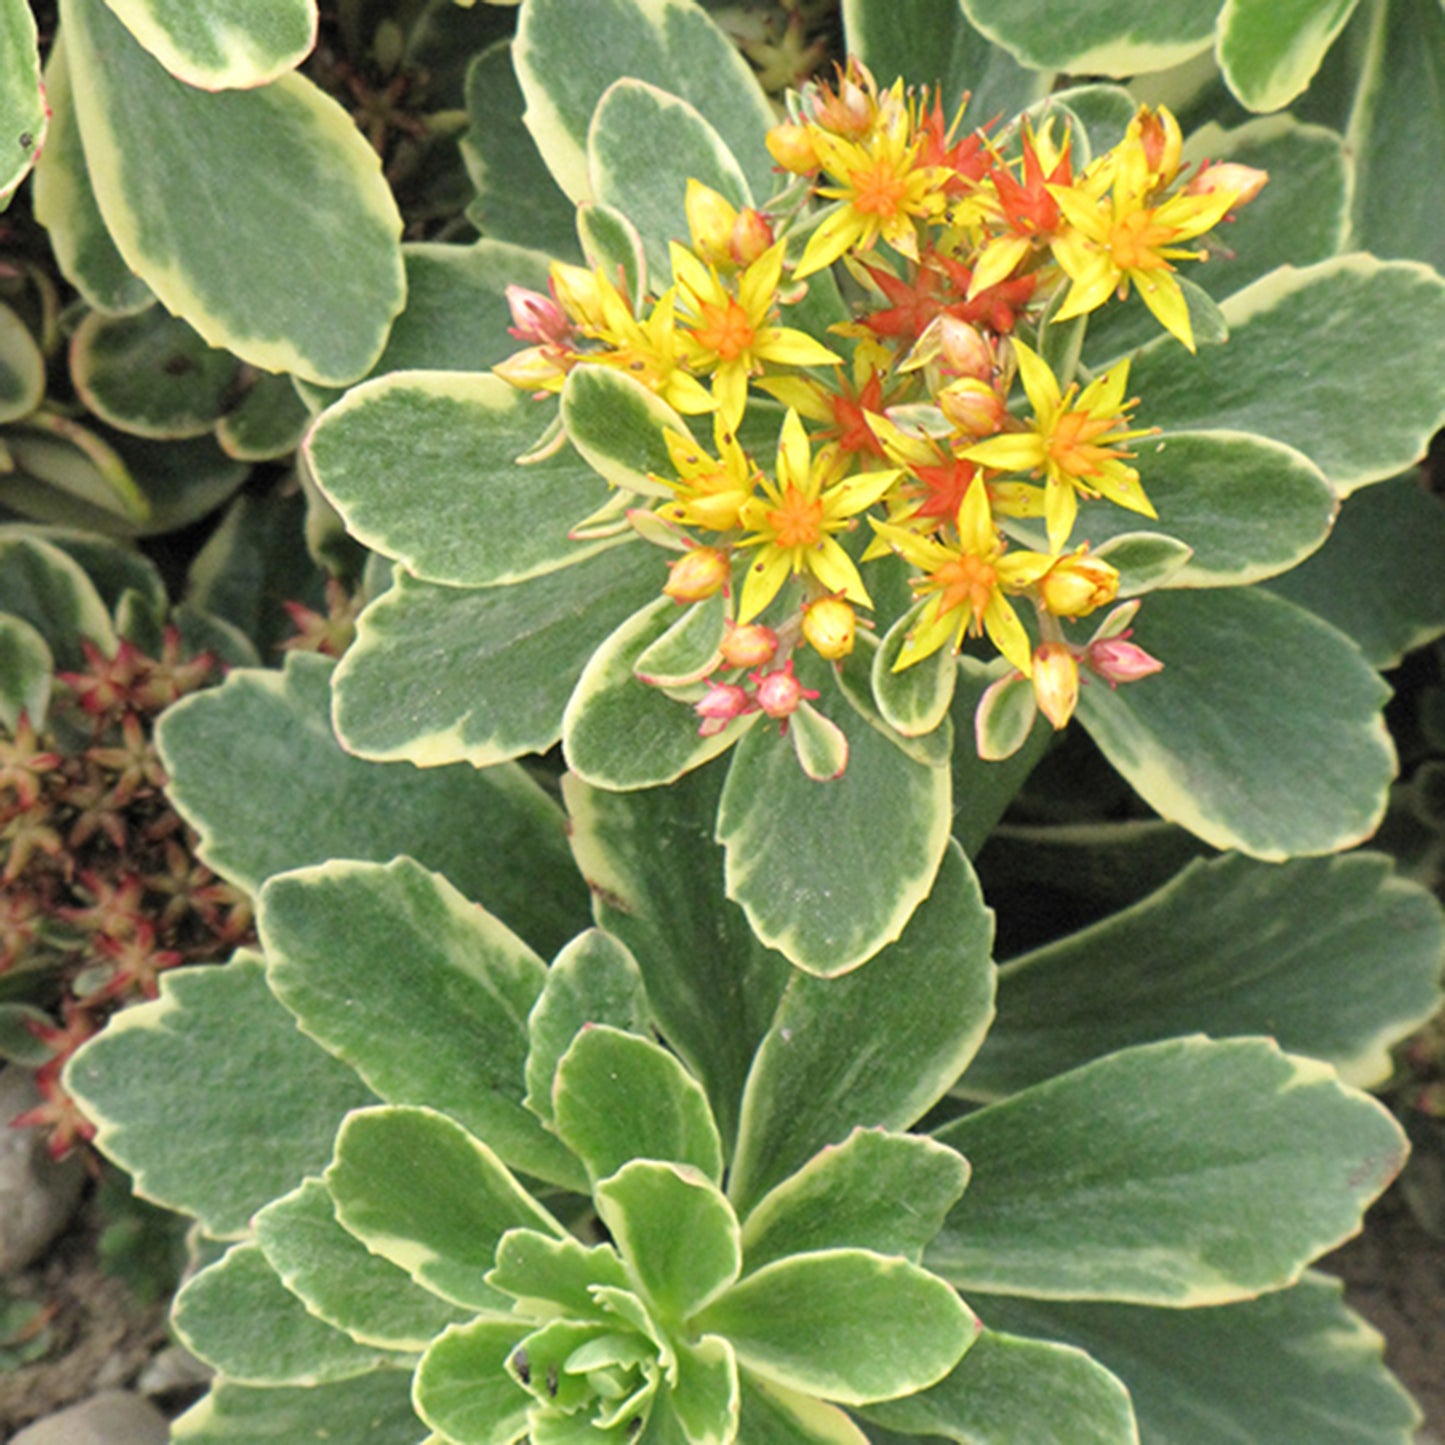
pixel 424 994
pixel 610 241
pixel 616 423
pixel 217 1063
pixel 983 789
pixel 239 1318
pixel 305 275
pixel 222 44
pixel 564 69
pixel 1144 560
pixel 930 42
pixel 267 423
pixel 42 586
pixel 340 1280
pixel 65 473
pixel 1007 1389
pixel 517 199
pixel 423 467
pixel 1292 1365
pixel 1336 957
pixel 885 1192
pixel 803 857
pixel 771 1415
pixel 656 878
pixel 248 759
pixel 594 980
pixel 706 1397
pixel 22 368
pixel 877 1047
pixel 648 182
pixel 1378 578
pixel 150 374
pixel 479 675
pixel 65 205
pixel 1090 1187
pixel 419 1190
pixel 113 567
pixel 463 1389
pixel 915 700
pixel 26 672
pixel 676 1232
pixel 1263 732
pixel 23 111
pixel 820 745
pixel 1397 117
pixel 1269 52
pixel 373 1409
pixel 845 1324
pixel 688 650
pixel 618 732
pixel 1096 37
pixel 542 1273
pixel 619 1097
pixel 1357 423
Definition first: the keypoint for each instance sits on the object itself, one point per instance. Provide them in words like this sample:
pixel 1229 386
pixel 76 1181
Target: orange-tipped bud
pixel 1160 136
pixel 1056 682
pixel 697 574
pixel 973 406
pixel 750 645
pixel 830 625
pixel 752 235
pixel 1245 181
pixel 962 350
pixel 710 221
pixel 792 147
pixel 1076 584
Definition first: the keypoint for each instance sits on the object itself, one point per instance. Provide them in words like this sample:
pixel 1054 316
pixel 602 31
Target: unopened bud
pixel 1159 134
pixel 537 318
pixel 578 292
pixel 722 702
pixel 750 645
pixel 1076 584
pixel 1056 682
pixel 1117 660
pixel 962 349
pixel 792 147
pixel 973 406
pixel 830 624
pixel 538 368
pixel 752 235
pixel 697 574
pixel 710 221
pixel 1245 182
pixel 780 694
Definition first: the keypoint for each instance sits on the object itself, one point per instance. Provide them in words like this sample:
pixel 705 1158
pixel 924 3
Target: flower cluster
pixel 962 255
pixel 100 888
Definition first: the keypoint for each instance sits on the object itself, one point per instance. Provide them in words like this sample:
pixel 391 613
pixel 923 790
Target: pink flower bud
pixel 537 318
pixel 752 234
pixel 722 702
pixel 1056 682
pixel 698 574
pixel 830 625
pixel 1118 660
pixel 750 645
pixel 962 349
pixel 780 694
pixel 1246 182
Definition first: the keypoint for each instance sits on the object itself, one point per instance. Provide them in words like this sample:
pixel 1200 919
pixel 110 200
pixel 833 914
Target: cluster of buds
pixel 102 890
pixel 750 675
pixel 963 249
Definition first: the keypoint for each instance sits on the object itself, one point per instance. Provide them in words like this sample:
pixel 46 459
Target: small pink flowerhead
pixel 751 236
pixel 1117 660
pixel 1056 682
pixel 751 645
pixel 1246 182
pixel 720 704
pixel 830 625
pixel 537 318
pixel 698 574
pixel 780 694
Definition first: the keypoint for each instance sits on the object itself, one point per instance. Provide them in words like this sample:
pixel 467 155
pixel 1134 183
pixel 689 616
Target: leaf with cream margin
pixel 1269 52
pixel 1183 1173
pixel 372 1409
pixel 23 111
pixel 26 672
pixel 294 264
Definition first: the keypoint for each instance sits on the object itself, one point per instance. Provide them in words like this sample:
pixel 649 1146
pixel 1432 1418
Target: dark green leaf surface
pixel 1096 37
pixel 373 1409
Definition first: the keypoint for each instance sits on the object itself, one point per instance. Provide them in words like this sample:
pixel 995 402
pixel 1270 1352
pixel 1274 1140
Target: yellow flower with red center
pixel 794 521
pixel 965 583
pixel 731 334
pixel 1073 440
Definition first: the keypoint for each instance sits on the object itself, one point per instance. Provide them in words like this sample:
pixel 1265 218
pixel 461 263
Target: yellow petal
pixel 1162 295
pixel 1007 633
pixel 765 576
pixel 1061 507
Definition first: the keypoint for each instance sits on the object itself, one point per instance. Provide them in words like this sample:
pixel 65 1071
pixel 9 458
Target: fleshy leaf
pixel 373 1409
pixel 618 1097
pixel 771 1415
pixel 43 586
pixel 617 424
pixel 542 1273
pixel 1292 1365
pixel 688 650
pixel 564 69
pixel 916 699
pixel 423 467
pixel 1263 732
pixel 1336 957
pixel 306 275
pixel 247 761
pixel 876 1190
pixel 877 1047
pixel 373 959
pixel 26 672
pixel 222 44
pixel 802 856
pixel 845 1324
pixel 594 980
pixel 676 1232
pixel 216 1061
pixel 1007 1388
pixel 1269 53
pixel 23 111
pixel 340 1280
pixel 419 1190
pixel 1357 424
pixel 239 1318
pixel 464 1390
pixel 1117 1181
pixel 22 368
pixel 656 878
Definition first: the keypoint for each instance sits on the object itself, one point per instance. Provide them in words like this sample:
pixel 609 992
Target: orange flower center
pixel 877 189
pixel 1134 241
pixel 724 329
pixel 965 581
pixel 797 521
pixel 1071 443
